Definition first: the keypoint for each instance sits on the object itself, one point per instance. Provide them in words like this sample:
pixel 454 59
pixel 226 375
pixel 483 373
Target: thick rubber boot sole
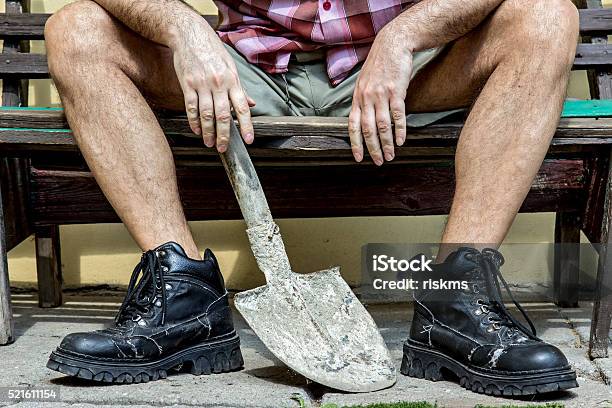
pixel 220 356
pixel 421 362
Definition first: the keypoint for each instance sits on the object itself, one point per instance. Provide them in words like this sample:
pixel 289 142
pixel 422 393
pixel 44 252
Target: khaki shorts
pixel 305 89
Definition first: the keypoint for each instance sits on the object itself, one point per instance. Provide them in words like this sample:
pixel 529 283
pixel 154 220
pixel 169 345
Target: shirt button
pixel 326 6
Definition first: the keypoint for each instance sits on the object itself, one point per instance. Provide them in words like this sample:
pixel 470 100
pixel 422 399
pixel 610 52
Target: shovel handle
pixel 265 239
pixel 244 180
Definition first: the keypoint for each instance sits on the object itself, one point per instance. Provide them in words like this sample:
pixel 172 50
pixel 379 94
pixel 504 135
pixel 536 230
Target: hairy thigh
pixel 518 32
pixel 83 37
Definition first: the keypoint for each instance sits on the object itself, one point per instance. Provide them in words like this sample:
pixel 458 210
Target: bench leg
pixel 602 305
pixel 6 314
pixel 49 266
pixel 567 259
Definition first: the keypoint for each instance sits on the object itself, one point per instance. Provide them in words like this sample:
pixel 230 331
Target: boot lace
pixel 141 293
pixel 490 261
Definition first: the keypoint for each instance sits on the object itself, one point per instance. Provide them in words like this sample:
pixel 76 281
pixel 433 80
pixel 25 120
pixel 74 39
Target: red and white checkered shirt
pixel 267 32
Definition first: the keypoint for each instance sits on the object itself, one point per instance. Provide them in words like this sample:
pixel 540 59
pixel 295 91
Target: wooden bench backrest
pixel 18 26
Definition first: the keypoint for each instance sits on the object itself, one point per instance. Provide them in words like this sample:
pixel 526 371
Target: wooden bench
pixel 304 164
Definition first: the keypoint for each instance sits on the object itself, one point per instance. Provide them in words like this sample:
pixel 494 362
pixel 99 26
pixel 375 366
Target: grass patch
pixel 418 404
pixel 547 405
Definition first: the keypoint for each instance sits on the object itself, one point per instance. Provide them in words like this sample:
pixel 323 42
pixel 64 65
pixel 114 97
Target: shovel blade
pixel 315 324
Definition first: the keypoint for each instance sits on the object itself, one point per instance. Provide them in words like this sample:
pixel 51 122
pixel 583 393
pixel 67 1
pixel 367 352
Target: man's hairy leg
pixel 101 70
pixel 513 69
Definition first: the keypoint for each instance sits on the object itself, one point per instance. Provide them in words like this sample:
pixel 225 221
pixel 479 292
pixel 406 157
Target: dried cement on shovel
pixel 311 322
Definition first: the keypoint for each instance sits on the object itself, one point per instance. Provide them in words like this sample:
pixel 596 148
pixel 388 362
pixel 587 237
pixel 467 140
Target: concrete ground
pixel 265 382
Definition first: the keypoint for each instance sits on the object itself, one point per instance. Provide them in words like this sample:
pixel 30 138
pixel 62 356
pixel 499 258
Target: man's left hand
pixel 379 98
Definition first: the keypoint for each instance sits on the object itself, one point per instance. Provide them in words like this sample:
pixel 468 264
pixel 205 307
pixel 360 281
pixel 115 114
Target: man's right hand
pixel 211 86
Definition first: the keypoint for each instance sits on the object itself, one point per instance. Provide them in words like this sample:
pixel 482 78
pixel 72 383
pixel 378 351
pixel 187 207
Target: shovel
pixel 311 322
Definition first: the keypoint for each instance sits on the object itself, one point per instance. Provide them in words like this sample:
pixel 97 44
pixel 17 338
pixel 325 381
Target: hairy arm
pixel 205 70
pixel 166 22
pixel 432 23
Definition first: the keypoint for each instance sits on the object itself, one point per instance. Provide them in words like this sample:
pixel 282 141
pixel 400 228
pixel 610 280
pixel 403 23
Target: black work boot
pixel 177 314
pixel 470 333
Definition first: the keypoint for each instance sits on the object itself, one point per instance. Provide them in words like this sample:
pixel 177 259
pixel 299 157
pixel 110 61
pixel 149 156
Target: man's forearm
pixel 163 21
pixel 432 23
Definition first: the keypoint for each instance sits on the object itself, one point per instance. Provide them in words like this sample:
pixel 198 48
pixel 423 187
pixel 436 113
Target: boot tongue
pixel 458 264
pixel 495 255
pixel 460 253
pixel 172 246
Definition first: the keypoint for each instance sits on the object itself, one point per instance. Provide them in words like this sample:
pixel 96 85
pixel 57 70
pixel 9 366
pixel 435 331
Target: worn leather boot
pixel 470 334
pixel 175 314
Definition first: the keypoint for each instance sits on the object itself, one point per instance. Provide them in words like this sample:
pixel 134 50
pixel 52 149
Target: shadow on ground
pixel 265 381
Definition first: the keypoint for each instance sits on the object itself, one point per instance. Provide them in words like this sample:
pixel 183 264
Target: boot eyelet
pixel 158 303
pixel 168 286
pixel 142 323
pixel 136 318
pixel 475 289
pixel 479 302
pixel 478 312
pixel 484 309
pixel 165 268
pixel 490 329
pixel 161 253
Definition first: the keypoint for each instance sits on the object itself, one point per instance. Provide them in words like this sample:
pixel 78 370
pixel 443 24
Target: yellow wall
pixel 106 254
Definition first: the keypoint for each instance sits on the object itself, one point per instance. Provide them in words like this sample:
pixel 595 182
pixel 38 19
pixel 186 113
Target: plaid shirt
pixel 267 32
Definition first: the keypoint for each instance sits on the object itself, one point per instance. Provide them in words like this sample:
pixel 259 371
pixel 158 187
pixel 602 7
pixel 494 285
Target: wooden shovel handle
pixel 244 180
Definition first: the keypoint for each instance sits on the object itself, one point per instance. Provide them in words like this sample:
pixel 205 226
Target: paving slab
pixel 265 381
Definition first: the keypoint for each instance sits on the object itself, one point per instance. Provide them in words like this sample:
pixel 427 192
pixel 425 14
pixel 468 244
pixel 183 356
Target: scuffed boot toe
pixel 535 357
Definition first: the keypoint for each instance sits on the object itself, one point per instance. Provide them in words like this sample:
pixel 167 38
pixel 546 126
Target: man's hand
pixel 381 88
pixel 211 87
pixel 378 100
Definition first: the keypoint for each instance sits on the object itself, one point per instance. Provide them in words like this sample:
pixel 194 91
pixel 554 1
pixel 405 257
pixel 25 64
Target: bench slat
pixel 30 26
pixel 396 189
pixel 27 26
pixel 591 114
pixel 593 56
pixel 596 21
pixel 21 65
pixel 34 66
pixel 299 136
pixel 39 129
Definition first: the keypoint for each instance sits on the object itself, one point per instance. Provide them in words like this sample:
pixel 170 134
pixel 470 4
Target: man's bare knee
pixel 542 29
pixel 78 32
